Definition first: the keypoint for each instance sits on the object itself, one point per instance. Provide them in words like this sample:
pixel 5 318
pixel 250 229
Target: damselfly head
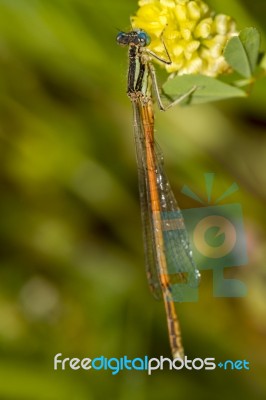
pixel 137 38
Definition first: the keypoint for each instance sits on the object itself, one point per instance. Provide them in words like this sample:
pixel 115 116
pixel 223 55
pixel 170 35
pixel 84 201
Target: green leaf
pixel 208 89
pixel 241 52
pixel 236 56
pixel 250 38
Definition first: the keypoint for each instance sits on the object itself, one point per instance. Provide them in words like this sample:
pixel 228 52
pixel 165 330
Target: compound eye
pixel 144 38
pixel 122 38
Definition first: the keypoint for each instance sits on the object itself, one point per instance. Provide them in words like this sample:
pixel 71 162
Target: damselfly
pixel 167 248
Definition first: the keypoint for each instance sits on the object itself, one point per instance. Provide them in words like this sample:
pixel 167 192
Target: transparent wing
pixel 180 264
pixel 176 240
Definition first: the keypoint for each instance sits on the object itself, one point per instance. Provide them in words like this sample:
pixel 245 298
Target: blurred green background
pixel 72 265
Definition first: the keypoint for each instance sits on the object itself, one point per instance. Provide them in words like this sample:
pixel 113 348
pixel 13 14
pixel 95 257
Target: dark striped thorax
pixel 139 85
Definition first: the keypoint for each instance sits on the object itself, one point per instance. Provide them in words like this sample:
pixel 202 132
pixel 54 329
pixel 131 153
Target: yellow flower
pixel 193 35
